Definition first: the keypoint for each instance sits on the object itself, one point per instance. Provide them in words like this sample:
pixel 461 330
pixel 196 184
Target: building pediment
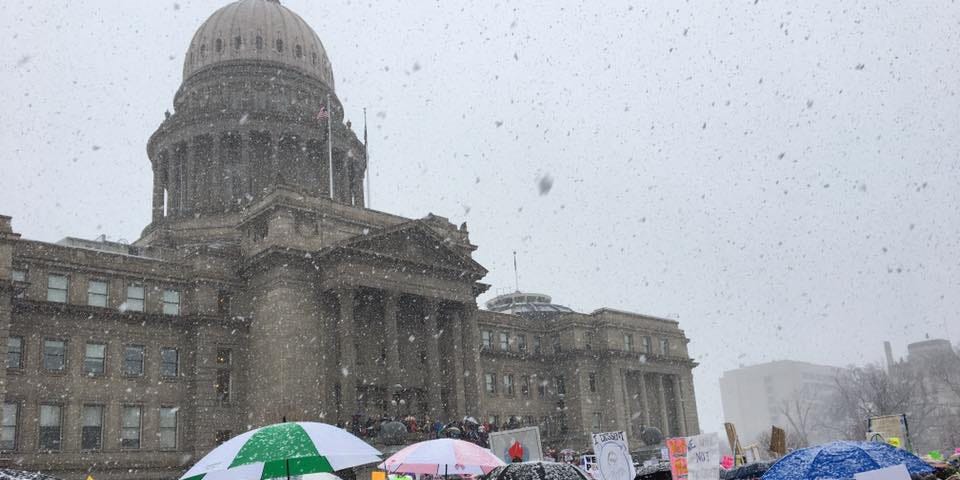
pixel 406 245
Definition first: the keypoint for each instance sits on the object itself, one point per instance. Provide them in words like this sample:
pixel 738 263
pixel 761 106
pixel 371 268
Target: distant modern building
pixel 263 289
pixel 757 397
pixel 938 365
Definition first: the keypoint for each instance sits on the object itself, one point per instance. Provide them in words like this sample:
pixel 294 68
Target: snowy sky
pixel 780 176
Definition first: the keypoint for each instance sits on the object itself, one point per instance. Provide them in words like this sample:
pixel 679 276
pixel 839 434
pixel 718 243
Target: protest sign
pixel 523 443
pixel 896 472
pixel 695 458
pixel 613 456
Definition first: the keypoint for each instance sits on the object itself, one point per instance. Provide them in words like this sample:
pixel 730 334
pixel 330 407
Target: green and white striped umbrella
pixel 284 450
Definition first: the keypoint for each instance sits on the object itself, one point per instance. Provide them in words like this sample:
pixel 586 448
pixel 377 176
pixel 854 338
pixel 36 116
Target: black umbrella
pixel 537 471
pixel 21 475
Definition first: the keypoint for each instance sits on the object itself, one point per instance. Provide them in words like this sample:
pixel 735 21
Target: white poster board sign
pixel 896 472
pixel 522 441
pixel 703 457
pixel 613 457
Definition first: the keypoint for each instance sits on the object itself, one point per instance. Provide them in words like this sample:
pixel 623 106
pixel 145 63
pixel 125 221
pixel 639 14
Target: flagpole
pixel 366 153
pixel 330 145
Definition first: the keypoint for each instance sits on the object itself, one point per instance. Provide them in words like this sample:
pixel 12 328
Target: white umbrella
pixel 283 450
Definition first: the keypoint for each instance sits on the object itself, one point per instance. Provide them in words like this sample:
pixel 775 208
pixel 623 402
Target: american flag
pixel 322 114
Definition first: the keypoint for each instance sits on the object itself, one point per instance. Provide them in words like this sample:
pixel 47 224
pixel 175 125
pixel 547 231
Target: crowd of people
pixel 468 428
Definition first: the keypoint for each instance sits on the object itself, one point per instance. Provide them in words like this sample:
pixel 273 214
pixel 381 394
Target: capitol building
pixel 263 289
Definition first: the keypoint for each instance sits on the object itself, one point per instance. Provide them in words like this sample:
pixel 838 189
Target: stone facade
pixel 263 290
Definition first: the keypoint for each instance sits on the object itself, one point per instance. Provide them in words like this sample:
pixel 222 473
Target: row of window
pixel 58 288
pixel 50 428
pixel 559 385
pixel 520 340
pixel 54 357
pixel 219 45
pixel 646 344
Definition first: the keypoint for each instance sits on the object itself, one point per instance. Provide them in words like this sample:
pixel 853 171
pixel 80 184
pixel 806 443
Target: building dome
pixel 526 305
pixel 260 31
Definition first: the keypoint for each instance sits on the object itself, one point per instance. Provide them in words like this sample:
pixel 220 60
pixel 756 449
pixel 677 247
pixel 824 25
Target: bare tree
pixel 864 392
pixel 801 412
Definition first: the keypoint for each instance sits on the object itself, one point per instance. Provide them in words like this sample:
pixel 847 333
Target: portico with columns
pixel 403 308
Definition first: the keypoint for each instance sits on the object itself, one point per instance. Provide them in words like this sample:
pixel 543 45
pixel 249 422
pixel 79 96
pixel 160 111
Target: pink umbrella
pixel 444 456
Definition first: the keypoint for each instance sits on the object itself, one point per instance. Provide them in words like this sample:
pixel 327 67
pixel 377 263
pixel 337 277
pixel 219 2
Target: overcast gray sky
pixel 780 176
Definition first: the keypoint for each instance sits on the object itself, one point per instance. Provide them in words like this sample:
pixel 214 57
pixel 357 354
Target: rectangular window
pixel 133 360
pixel 15 352
pixel 504 342
pixel 130 426
pixel 169 362
pixel 537 344
pixel 665 346
pixel 223 302
pixel 541 388
pixel 224 356
pixel 91 434
pixel 628 342
pixel 222 435
pixel 647 344
pixel 557 348
pixel 490 382
pixel 94 359
pixel 171 302
pixel 168 428
pixel 559 385
pixel 97 293
pixel 54 355
pixel 57 288
pixel 525 385
pixel 597 421
pixel 135 297
pixel 8 434
pixel 508 384
pixel 50 421
pixel 592 382
pixel 18 276
pixel 223 386
pixel 486 340
pixel 521 343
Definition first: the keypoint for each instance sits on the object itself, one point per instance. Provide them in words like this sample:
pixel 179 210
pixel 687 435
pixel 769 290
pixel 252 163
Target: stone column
pixel 348 353
pixel 157 193
pixel 644 404
pixel 391 341
pixel 189 175
pixel 217 173
pixel 173 184
pixel 432 384
pixel 616 393
pixel 678 399
pixel 456 336
pixel 249 183
pixel 664 416
pixel 471 360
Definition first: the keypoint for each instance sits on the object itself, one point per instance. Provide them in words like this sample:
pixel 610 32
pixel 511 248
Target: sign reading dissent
pixel 613 456
pixel 695 458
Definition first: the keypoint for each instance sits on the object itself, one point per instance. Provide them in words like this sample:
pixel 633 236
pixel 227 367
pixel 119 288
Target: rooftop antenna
pixel 366 153
pixel 516 276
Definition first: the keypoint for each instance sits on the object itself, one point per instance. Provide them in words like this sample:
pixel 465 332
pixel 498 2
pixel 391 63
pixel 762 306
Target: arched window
pixel 236 42
pixel 259 42
pixel 219 45
pixel 279 45
pixel 314 55
pixel 203 50
pixel 298 51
